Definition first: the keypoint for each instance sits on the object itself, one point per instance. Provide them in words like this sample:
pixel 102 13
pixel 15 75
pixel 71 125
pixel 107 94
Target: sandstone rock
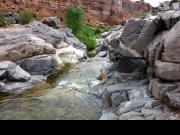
pixel 42 65
pixel 19 47
pixel 109 116
pixel 52 22
pixel 170 18
pixel 102 10
pixel 167 71
pixel 159 88
pixel 172 42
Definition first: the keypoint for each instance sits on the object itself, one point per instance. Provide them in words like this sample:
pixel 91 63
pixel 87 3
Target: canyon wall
pixel 97 11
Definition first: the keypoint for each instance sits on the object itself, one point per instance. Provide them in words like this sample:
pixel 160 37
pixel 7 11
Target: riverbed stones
pixel 109 116
pixel 42 65
pixel 131 106
pixel 158 88
pixel 102 54
pixel 13 72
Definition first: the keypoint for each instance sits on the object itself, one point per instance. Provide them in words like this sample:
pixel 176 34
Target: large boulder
pixel 70 54
pixel 155 50
pixel 109 38
pixel 171 45
pixel 138 33
pixel 170 18
pixel 46 33
pixel 173 99
pixel 13 72
pixel 167 71
pixel 23 46
pixel 158 88
pixel 42 65
pixel 52 36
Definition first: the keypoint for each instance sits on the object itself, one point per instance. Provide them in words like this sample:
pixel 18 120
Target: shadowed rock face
pixel 97 11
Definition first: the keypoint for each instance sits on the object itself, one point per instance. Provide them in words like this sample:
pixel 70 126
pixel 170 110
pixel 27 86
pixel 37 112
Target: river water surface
pixel 71 95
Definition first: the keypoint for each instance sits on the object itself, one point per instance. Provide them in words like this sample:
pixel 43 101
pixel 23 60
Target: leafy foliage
pixel 2 20
pixel 25 16
pixel 74 17
pixel 86 34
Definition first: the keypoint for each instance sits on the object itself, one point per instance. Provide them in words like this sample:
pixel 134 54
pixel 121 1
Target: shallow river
pixel 71 95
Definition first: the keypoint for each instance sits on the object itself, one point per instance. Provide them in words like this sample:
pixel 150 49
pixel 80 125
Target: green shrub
pixel 91 54
pixel 25 16
pixel 98 31
pixel 74 17
pixel 2 20
pixel 90 42
pixel 86 34
pixel 67 65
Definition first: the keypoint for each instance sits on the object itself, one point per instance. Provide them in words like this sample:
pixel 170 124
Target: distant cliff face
pixel 97 11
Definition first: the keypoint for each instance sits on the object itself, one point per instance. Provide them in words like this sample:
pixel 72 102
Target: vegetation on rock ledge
pixel 86 34
pixel 25 16
pixel 2 20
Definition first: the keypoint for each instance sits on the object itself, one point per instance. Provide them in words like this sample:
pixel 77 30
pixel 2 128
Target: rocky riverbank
pixel 33 52
pixel 138 65
pixel 143 82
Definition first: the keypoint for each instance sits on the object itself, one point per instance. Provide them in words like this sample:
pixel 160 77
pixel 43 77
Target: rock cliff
pixel 97 11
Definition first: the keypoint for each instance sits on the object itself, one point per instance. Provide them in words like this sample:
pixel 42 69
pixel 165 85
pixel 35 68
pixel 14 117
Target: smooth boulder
pixel 13 72
pixel 171 45
pixel 42 65
pixel 19 47
pixel 167 71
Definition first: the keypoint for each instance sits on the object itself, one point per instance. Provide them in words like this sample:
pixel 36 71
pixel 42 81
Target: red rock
pixel 97 11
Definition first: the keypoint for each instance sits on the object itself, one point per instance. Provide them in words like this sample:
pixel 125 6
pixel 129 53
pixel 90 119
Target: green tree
pixel 74 17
